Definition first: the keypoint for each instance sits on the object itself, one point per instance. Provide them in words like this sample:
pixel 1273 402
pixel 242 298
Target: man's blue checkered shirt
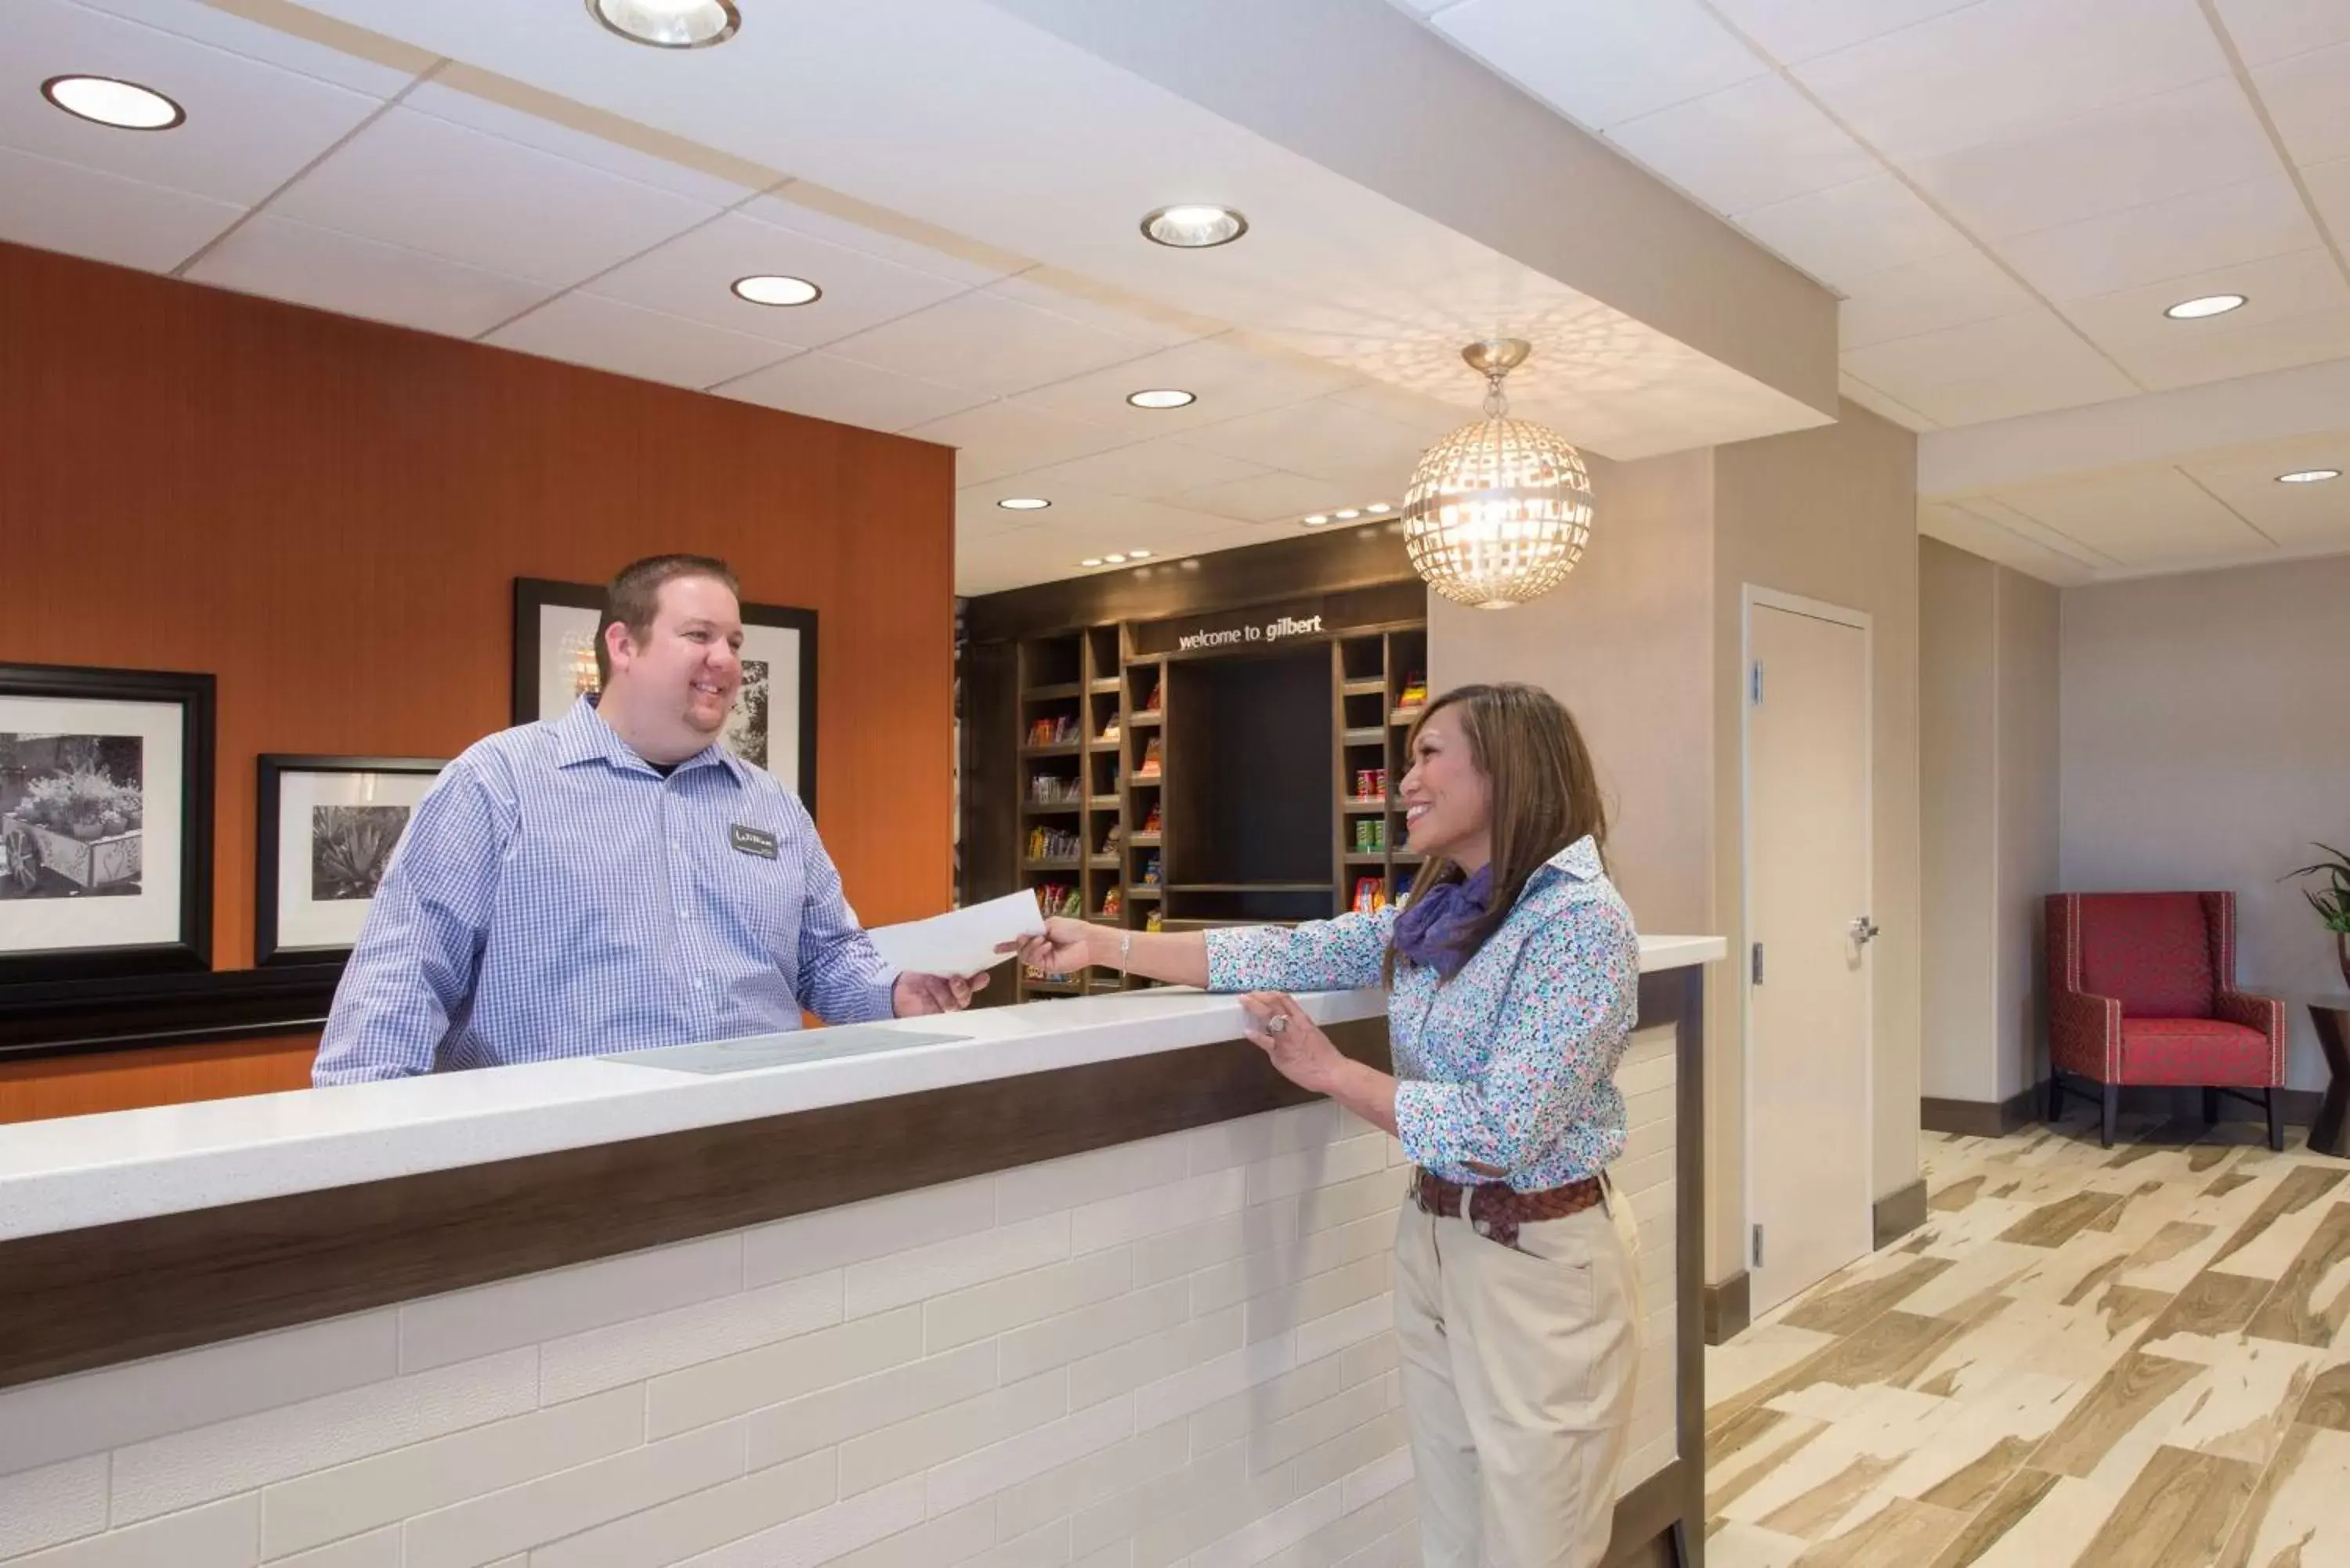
pixel 556 895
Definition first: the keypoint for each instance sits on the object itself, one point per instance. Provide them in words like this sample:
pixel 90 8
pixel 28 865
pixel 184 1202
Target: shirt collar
pixel 1579 860
pixel 582 735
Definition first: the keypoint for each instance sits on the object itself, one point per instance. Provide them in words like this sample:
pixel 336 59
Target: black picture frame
pixel 534 596
pixel 196 698
pixel 271 770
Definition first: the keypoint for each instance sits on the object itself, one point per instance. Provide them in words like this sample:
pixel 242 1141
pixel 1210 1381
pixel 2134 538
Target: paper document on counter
pixel 961 942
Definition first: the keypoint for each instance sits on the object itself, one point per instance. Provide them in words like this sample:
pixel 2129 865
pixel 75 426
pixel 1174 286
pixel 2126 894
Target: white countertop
pixel 78 1171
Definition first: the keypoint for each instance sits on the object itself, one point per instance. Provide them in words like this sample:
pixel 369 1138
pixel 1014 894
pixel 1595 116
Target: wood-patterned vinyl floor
pixel 2132 1358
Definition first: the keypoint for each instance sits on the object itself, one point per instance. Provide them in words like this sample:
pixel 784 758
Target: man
pixel 613 879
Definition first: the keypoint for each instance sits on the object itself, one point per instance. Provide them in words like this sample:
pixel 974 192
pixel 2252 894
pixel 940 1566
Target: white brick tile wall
pixel 830 1416
pixel 329 1504
pixel 163 1474
pixel 835 1238
pixel 467 1325
pixel 65 1417
pixel 583 1363
pixel 53 1504
pixel 539 1513
pixel 225 1534
pixel 944 1267
pixel 1179 1352
pixel 772 1373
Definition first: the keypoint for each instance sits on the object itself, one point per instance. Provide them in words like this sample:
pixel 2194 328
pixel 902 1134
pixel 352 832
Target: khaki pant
pixel 1517 1369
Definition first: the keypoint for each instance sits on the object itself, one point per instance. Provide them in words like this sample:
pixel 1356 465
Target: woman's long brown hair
pixel 1544 790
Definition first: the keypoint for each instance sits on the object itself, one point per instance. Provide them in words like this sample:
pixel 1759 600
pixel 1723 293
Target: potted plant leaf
pixel 2332 904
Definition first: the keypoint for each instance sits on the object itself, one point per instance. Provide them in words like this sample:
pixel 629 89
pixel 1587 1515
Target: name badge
pixel 751 841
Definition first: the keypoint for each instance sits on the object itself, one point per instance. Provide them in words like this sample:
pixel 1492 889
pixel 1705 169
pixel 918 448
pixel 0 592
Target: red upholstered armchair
pixel 2142 990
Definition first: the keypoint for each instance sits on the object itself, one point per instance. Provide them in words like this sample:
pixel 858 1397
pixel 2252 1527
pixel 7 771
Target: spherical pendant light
pixel 1498 511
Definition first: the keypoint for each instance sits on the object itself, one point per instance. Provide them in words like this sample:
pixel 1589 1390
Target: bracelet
pixel 1125 948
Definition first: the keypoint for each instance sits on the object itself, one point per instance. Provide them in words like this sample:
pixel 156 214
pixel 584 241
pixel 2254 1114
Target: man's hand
pixel 914 995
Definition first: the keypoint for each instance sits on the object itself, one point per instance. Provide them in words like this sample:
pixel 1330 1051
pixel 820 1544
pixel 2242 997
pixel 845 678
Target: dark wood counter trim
pixel 79 1299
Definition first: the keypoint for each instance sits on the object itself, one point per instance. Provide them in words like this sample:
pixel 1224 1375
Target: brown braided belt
pixel 1496 1212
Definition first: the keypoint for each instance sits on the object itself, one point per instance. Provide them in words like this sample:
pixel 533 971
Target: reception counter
pixel 1075 1282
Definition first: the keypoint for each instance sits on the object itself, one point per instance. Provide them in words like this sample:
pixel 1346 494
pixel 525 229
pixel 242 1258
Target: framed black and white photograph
pixel 104 822
pixel 773 723
pixel 325 832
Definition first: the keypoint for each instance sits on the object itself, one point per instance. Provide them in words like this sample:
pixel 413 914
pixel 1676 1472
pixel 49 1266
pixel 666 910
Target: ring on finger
pixel 1276 1024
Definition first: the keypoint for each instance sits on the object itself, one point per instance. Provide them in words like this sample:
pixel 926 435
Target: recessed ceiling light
pixel 1379 507
pixel 1024 503
pixel 1115 560
pixel 2308 475
pixel 774 289
pixel 668 24
pixel 1194 228
pixel 1318 520
pixel 1347 513
pixel 1138 554
pixel 2206 305
pixel 1090 561
pixel 1161 397
pixel 126 106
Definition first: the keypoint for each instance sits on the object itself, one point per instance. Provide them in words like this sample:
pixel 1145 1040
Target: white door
pixel 1807 884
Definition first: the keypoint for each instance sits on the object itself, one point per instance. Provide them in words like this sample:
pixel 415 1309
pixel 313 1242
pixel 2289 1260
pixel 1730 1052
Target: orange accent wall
pixel 328 515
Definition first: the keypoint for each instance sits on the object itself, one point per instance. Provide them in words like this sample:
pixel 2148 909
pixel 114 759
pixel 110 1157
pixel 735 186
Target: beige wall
pixel 1644 642
pixel 1958 716
pixel 1989 797
pixel 2205 746
pixel 2029 739
pixel 1830 515
pixel 1624 645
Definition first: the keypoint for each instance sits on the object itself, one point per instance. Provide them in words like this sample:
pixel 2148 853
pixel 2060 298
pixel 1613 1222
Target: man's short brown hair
pixel 634 597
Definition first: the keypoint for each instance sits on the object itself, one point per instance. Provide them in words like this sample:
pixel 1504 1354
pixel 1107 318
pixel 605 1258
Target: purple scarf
pixel 1433 929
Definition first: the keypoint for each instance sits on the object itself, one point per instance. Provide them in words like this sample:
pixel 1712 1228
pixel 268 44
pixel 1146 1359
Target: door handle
pixel 1864 930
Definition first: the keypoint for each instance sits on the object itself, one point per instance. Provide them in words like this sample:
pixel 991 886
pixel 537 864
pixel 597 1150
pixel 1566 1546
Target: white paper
pixel 961 942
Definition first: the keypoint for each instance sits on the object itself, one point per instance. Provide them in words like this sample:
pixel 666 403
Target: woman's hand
pixel 1301 1052
pixel 1065 945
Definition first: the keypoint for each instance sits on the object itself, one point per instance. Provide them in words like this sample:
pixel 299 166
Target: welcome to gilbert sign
pixel 1260 629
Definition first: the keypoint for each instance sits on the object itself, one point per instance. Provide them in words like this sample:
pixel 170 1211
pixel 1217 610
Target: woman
pixel 1513 977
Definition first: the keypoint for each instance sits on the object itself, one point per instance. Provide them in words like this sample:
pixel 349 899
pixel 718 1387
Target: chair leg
pixel 2113 1111
pixel 2276 1122
pixel 2211 1108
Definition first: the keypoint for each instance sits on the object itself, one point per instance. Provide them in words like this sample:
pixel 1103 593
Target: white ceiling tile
pixel 1746 146
pixel 2173 238
pixel 1843 233
pixel 1228 379
pixel 342 273
pixel 442 101
pixel 1602 62
pixel 1957 525
pixel 1949 290
pixel 2294 515
pixel 903 243
pixel 2306 97
pixel 2139 516
pixel 996 439
pixel 1427 419
pixel 2194 138
pixel 363 62
pixel 2329 187
pixel 989 344
pixel 410 178
pixel 1268 498
pixel 57 207
pixel 1150 470
pixel 1099 523
pixel 2268 30
pixel 1074 298
pixel 1991 369
pixel 2275 288
pixel 250 126
pixel 1993 510
pixel 846 392
pixel 1325 438
pixel 693 274
pixel 584 330
pixel 1798 30
pixel 1998 68
pixel 2277 344
pixel 1854 388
